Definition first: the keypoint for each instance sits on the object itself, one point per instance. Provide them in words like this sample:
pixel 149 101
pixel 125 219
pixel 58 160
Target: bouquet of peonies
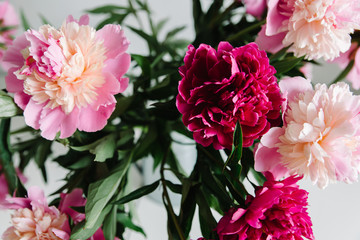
pixel 239 93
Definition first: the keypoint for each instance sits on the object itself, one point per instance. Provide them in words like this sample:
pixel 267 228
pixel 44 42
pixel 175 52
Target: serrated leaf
pixel 101 191
pixel 138 193
pixel 8 108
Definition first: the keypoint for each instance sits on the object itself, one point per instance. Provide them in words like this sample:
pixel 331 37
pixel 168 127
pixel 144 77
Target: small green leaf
pixel 138 193
pixel 125 220
pixel 105 9
pixel 109 226
pixel 236 151
pixel 143 63
pixel 101 191
pixel 286 64
pixel 8 108
pixel 105 149
pixel 24 21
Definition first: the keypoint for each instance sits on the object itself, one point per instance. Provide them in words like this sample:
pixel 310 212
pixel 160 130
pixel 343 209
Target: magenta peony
pixel 220 88
pixel 320 136
pixel 34 219
pixel 8 23
pixel 278 211
pixel 314 29
pixel 66 79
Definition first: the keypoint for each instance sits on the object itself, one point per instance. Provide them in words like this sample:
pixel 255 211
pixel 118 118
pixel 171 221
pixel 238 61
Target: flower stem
pixel 166 198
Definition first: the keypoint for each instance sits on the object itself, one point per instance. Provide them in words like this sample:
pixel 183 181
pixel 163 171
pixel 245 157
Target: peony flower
pixel 220 88
pixel 312 28
pixel 278 211
pixel 320 136
pixel 65 79
pixel 344 59
pixel 34 219
pixel 255 7
pixel 8 22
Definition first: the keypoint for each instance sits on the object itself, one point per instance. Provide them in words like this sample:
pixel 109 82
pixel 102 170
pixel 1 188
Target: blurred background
pixel 334 210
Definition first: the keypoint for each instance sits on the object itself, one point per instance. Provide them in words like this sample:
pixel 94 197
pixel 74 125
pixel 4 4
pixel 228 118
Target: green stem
pixel 166 197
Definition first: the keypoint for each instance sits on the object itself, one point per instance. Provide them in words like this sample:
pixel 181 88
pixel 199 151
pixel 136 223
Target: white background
pixel 334 211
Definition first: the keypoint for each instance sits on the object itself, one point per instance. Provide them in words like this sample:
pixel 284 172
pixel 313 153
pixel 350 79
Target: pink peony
pixel 313 28
pixel 320 136
pixel 278 211
pixel 220 88
pixel 8 21
pixel 255 7
pixel 344 59
pixel 34 219
pixel 65 79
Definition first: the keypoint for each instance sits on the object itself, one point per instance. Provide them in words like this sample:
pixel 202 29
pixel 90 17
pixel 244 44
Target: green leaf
pixel 236 151
pixel 207 220
pixel 109 226
pixel 125 220
pixel 81 232
pixel 138 193
pixel 287 64
pixel 143 63
pixel 24 21
pixel 103 148
pixel 105 9
pixel 8 108
pixel 44 20
pixel 43 150
pixel 101 191
pixel 173 32
pixel 152 41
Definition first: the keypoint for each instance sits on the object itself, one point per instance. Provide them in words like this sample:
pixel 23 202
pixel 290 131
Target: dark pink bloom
pixel 278 211
pixel 220 88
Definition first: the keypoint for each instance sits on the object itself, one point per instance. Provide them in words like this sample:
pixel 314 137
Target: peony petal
pixel 114 40
pixel 13 55
pixel 32 114
pixel 69 124
pixel 13 84
pixel 118 66
pixel 50 122
pixel 267 43
pixel 91 120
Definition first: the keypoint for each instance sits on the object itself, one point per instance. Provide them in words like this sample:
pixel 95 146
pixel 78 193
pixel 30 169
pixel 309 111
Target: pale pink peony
pixel 255 7
pixel 313 28
pixel 344 59
pixel 221 87
pixel 320 136
pixel 8 22
pixel 278 211
pixel 65 79
pixel 34 219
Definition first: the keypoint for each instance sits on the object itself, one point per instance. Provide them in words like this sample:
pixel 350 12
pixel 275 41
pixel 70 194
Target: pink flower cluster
pixel 220 88
pixel 314 29
pixel 8 21
pixel 320 136
pixel 65 79
pixel 34 219
pixel 278 211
